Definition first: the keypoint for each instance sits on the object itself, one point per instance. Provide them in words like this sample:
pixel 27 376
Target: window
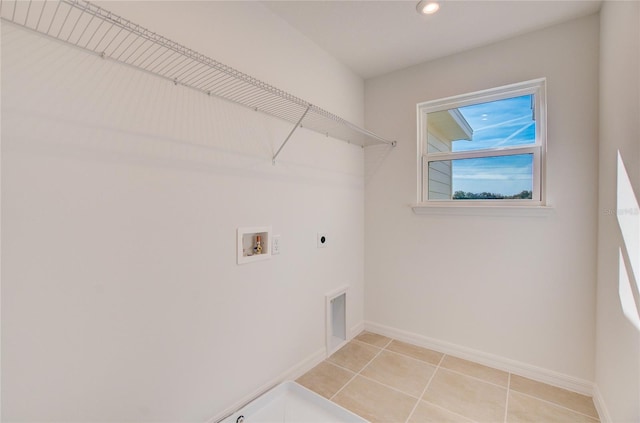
pixel 485 148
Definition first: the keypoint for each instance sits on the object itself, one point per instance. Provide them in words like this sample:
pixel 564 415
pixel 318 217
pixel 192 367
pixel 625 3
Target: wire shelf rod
pixel 179 59
pixel 74 26
pixel 26 17
pixel 231 89
pixel 274 104
pixel 227 89
pixel 125 24
pixel 128 43
pixel 194 77
pixel 165 62
pixel 218 84
pixel 197 77
pixel 113 52
pixel 44 5
pixel 55 13
pixel 257 98
pixel 179 70
pixel 151 45
pixel 63 23
pixel 164 51
pixel 133 50
pixel 187 71
pixel 201 81
pixel 95 48
pixel 214 79
pixel 218 80
pixel 85 29
pixel 246 95
pixel 104 50
pixel 276 109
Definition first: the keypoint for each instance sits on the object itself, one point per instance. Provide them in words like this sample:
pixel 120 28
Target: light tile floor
pixel 388 381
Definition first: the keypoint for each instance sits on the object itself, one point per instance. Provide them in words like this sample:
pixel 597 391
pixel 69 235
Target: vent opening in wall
pixel 336 320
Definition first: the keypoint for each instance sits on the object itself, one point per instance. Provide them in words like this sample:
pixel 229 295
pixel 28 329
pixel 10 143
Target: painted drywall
pixel 254 40
pixel 618 333
pixel 518 287
pixel 121 195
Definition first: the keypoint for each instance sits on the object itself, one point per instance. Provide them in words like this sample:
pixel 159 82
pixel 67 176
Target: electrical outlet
pixel 275 245
pixel 322 240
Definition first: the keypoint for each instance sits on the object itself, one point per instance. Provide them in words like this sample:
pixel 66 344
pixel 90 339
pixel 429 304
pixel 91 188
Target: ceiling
pixel 376 37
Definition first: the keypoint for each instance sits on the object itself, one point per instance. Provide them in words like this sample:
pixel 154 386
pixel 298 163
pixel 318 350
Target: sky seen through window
pixel 496 124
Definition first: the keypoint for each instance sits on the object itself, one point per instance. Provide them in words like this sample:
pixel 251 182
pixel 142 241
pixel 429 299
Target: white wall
pixel 618 339
pixel 252 39
pixel 121 195
pixel 521 288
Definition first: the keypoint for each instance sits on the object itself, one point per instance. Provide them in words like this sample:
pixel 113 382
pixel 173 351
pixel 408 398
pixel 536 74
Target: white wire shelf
pixel 92 28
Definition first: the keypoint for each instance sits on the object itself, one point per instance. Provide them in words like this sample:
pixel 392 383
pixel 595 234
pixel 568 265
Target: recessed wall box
pixel 254 244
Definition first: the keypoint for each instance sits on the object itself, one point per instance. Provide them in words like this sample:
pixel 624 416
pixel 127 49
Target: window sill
pixel 481 210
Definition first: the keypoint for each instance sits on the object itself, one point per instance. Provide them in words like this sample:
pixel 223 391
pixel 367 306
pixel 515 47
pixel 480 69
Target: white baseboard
pixel 601 406
pixel 540 374
pixel 291 373
pixel 355 330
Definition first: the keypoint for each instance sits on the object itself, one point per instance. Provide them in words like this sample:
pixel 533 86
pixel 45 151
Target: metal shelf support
pixel 84 25
pixel 291 133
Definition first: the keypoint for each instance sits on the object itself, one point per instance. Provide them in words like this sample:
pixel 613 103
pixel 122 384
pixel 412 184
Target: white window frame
pixel 536 87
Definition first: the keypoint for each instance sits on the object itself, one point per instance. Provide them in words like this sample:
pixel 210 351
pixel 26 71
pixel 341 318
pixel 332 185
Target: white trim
pixel 491 94
pixel 519 368
pixel 292 373
pixel 355 330
pixel 488 152
pixel 536 87
pixel 601 406
pixel 481 208
pixel 329 297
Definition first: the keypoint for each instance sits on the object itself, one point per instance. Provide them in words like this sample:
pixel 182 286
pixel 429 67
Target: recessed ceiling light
pixel 427 7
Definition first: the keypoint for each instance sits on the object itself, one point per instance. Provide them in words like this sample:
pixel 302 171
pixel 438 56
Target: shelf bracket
pixel 273 161
pixel 101 32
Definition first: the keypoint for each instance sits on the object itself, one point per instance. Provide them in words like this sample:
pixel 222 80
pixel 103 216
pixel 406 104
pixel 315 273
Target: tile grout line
pixel 413 358
pixel 508 389
pixel 475 378
pixel 384 348
pixel 389 386
pixel 465 418
pixel 448 369
pixel 388 343
pixel 366 343
pixel 595 419
pixel 358 373
pixel 413 410
pixel 343 386
pixel 344 368
pixel 506 405
pixel 437 367
pixel 372 380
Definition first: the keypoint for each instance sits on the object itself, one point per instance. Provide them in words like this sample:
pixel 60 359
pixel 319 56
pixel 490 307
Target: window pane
pixel 501 123
pixel 486 178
